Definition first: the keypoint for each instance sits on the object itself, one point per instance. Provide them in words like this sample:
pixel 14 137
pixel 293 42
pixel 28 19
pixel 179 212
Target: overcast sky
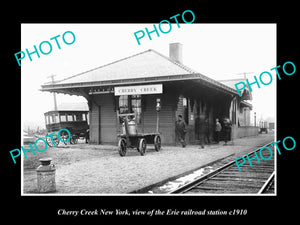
pixel 219 51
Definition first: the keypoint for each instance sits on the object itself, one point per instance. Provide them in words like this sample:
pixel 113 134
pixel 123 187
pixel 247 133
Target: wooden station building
pixel 134 84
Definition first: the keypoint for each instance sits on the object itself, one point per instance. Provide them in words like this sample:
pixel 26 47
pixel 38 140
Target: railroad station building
pixel 134 84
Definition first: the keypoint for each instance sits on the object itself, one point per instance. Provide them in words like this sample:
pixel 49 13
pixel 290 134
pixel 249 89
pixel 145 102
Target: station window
pixel 70 117
pixel 83 117
pixel 63 118
pixel 123 104
pixel 130 104
pixel 77 117
pixel 136 106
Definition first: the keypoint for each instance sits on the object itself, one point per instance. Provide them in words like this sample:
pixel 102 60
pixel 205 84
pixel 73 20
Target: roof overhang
pixel 246 95
pixel 74 88
pixel 246 104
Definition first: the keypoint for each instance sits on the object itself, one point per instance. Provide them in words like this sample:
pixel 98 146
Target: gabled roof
pixel 246 93
pixel 142 65
pixel 147 66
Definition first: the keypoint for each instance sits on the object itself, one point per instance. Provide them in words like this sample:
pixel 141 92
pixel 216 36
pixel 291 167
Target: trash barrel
pixel 46 176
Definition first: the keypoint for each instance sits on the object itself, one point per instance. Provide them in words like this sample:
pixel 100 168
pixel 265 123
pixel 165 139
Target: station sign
pixel 139 90
pixel 100 90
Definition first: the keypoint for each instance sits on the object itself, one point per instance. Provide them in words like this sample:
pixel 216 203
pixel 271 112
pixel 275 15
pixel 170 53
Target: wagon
pixel 74 121
pixel 263 127
pixel 130 138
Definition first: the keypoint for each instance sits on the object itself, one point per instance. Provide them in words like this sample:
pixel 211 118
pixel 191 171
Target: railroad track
pixel 227 179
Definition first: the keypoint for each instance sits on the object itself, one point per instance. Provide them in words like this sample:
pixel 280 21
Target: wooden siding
pixel 166 118
pixel 104 125
pixel 108 126
pixel 95 124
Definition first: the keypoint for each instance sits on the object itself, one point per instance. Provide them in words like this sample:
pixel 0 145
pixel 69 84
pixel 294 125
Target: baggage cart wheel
pixel 122 147
pixel 50 142
pixel 65 136
pixel 74 139
pixel 157 143
pixel 142 146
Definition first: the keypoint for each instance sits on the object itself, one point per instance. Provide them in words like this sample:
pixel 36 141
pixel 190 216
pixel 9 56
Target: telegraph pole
pixel 54 95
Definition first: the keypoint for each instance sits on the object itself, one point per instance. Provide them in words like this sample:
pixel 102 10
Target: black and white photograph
pixel 172 115
pixel 160 117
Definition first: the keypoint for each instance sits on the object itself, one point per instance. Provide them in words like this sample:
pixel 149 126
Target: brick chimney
pixel 175 52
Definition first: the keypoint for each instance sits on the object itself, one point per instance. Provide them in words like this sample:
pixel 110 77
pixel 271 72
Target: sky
pixel 219 51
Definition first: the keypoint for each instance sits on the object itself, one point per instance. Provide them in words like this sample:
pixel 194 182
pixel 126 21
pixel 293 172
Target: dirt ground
pixel 99 169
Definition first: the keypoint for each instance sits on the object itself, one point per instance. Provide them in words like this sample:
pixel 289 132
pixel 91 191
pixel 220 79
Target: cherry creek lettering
pixel 138 90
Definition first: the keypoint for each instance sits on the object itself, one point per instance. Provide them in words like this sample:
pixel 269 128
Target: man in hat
pixel 180 130
pixel 227 130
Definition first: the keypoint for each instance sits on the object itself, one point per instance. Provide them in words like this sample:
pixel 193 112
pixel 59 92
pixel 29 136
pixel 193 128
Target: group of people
pixel 202 128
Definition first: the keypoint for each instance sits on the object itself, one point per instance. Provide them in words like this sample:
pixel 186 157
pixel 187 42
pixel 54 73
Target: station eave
pixel 74 88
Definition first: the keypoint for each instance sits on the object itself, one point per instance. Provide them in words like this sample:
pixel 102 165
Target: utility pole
pixel 54 95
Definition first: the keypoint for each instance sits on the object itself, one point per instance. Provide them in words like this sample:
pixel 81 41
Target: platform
pixel 98 169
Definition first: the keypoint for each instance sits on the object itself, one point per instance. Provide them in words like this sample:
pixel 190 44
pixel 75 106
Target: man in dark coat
pixel 180 130
pixel 227 130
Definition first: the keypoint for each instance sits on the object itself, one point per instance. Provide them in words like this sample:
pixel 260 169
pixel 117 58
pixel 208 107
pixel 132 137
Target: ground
pixel 99 169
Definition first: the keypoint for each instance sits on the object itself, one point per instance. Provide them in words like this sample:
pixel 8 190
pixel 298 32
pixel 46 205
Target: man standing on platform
pixel 218 129
pixel 180 130
pixel 227 130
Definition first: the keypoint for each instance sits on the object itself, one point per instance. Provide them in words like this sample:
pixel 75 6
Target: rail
pixel 199 181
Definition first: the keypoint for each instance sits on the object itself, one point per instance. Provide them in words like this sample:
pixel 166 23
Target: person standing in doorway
pixel 218 128
pixel 180 130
